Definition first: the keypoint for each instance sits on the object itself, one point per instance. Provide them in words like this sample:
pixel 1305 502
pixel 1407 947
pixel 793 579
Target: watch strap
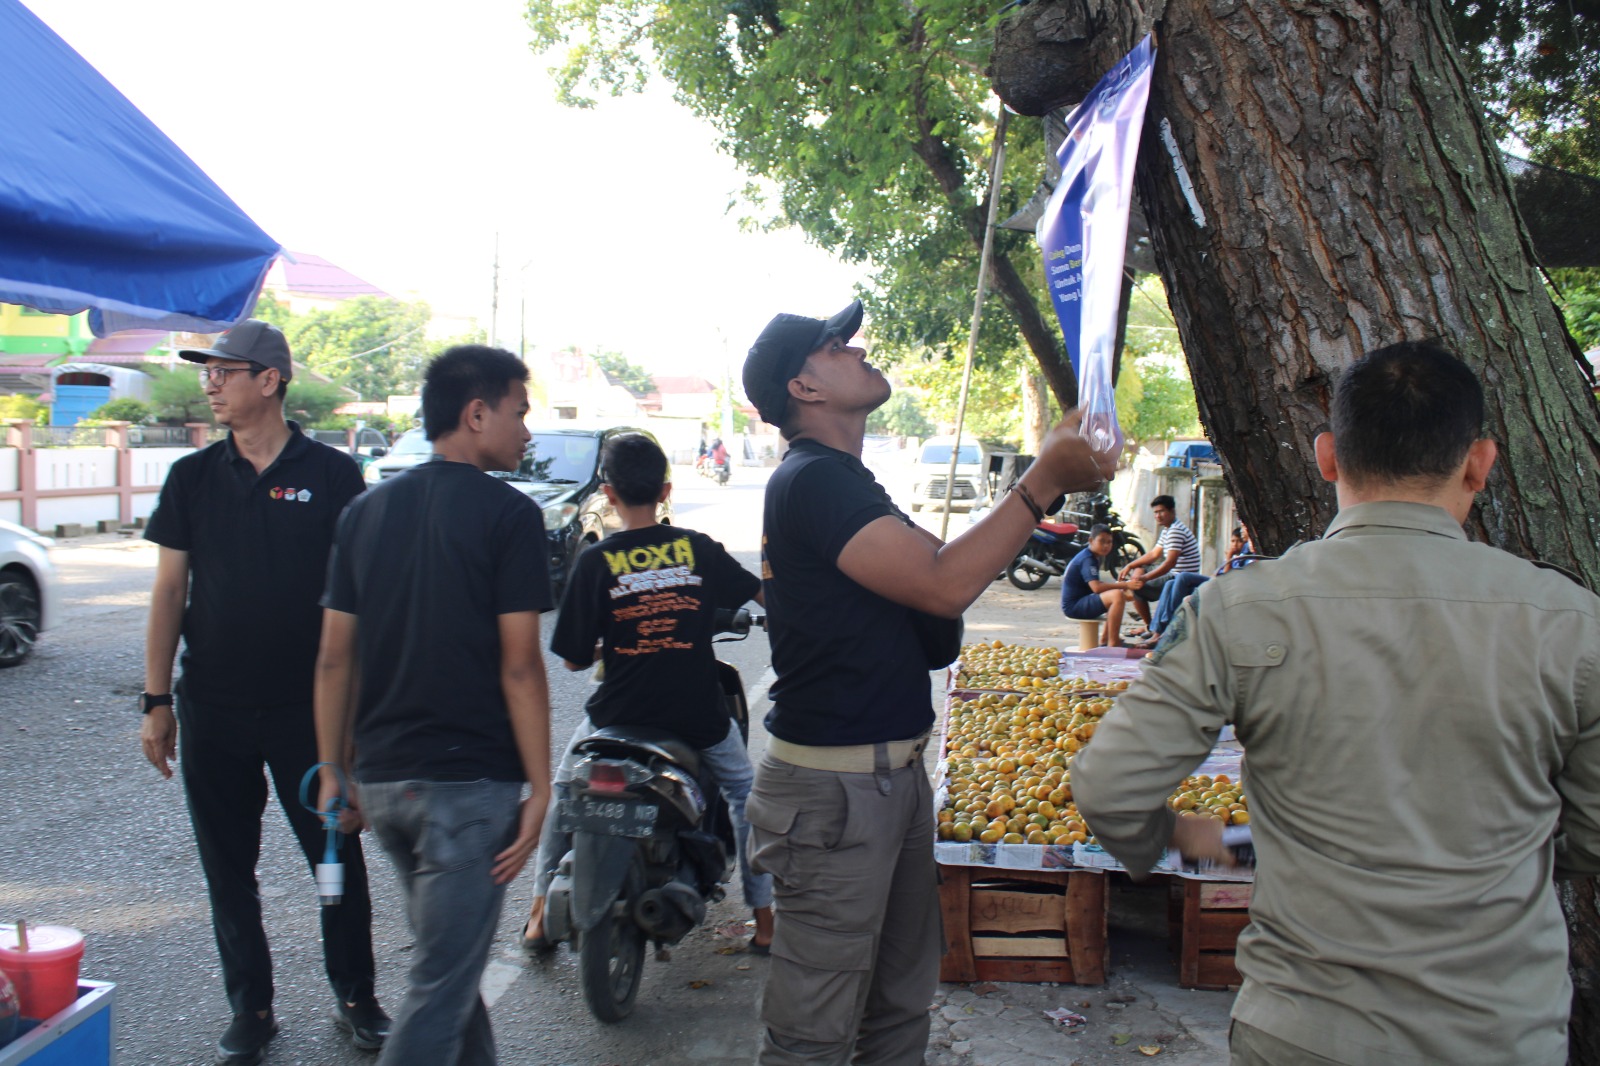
pixel 149 702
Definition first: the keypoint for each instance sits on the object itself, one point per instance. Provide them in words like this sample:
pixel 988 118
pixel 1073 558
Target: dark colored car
pixel 561 471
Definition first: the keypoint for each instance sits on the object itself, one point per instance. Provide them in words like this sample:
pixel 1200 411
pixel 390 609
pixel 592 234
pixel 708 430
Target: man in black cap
pixel 245 527
pixel 860 602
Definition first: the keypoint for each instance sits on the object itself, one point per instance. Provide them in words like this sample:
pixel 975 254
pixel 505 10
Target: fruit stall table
pixel 1024 895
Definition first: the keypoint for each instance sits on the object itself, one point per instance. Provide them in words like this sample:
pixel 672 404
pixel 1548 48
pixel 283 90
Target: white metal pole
pixel 997 165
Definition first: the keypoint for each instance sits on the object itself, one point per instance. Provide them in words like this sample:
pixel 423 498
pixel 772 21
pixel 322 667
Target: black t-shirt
pixel 651 594
pixel 258 552
pixel 428 561
pixel 850 667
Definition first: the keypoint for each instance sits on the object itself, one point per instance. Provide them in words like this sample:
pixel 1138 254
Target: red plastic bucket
pixel 46 975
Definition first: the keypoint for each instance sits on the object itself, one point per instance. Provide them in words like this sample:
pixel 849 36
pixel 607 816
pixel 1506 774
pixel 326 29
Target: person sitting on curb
pixel 1240 555
pixel 1086 597
pixel 1176 552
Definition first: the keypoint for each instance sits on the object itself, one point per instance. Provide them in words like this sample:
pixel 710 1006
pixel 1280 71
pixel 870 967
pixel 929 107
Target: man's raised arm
pixel 913 569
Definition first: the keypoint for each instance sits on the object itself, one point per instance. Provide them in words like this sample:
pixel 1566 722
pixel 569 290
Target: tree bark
pixel 1345 196
pixel 1035 411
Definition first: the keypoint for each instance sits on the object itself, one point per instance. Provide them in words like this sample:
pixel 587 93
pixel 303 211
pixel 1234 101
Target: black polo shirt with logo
pixel 850 666
pixel 258 556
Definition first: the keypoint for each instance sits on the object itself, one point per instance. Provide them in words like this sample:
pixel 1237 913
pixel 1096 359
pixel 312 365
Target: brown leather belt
pixel 849 759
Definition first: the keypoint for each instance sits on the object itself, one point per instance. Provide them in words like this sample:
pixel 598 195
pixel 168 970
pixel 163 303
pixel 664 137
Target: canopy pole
pixel 997 165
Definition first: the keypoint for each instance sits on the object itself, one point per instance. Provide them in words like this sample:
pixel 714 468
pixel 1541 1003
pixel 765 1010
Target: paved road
pixel 93 838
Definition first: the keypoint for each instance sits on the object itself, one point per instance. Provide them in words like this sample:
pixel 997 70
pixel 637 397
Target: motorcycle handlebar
pixel 737 621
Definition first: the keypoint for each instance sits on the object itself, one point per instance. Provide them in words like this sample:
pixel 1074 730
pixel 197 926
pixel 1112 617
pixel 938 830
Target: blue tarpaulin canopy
pixel 99 210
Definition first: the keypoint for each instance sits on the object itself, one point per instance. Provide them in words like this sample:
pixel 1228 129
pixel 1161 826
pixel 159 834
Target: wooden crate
pixel 1204 922
pixel 1024 925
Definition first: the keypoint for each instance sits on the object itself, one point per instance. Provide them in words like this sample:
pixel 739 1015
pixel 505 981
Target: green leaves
pixel 374 345
pixel 620 371
pixel 869 122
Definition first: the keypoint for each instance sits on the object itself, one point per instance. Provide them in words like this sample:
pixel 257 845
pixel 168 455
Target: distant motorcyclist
pixel 647 595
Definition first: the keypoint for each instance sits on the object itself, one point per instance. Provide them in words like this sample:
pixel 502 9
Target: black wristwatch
pixel 149 702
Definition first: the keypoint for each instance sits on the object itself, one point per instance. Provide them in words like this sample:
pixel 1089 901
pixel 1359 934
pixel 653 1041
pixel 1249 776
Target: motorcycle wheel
pixel 1127 549
pixel 611 962
pixel 1023 578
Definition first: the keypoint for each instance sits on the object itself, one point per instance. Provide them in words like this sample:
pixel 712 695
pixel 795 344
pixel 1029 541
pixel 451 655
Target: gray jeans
pixel 442 837
pixel 855 954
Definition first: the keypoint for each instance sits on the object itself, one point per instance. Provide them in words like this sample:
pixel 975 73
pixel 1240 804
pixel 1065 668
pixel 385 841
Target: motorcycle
pixel 718 472
pixel 1052 545
pixel 652 845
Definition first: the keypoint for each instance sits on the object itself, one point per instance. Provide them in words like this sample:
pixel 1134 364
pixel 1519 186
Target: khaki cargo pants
pixel 1249 1046
pixel 855 955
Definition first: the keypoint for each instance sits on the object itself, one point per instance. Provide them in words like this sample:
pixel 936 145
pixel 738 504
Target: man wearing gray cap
pixel 861 604
pixel 245 527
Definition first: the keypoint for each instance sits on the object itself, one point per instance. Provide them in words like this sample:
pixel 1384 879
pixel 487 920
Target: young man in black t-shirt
pixel 647 595
pixel 431 676
pixel 841 813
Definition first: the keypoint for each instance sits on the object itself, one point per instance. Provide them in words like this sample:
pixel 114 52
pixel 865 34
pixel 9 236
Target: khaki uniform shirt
pixel 1421 723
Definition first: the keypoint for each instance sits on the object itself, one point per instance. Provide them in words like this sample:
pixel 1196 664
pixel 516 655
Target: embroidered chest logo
pixel 292 495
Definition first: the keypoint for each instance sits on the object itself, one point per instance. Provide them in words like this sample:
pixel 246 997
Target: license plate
pixel 617 818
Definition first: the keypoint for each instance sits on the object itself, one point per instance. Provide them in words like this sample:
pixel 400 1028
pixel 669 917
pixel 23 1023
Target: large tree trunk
pixel 1345 196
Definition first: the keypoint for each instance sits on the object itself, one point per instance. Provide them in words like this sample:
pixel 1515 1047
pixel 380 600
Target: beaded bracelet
pixel 1027 498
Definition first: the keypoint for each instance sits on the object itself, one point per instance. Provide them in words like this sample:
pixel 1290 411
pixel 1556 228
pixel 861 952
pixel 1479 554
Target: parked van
pixel 931 470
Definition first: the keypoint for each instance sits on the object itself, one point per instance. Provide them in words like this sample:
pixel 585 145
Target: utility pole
pixel 494 301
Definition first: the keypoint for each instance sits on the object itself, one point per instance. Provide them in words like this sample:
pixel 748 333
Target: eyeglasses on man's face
pixel 218 375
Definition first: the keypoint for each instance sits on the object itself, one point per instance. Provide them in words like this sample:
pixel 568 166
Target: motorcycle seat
pixel 623 739
pixel 1063 529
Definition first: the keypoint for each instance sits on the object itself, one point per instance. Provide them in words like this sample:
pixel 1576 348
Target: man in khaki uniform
pixel 859 607
pixel 1421 722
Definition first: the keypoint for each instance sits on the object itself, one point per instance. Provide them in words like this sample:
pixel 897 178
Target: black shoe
pixel 365 1021
pixel 245 1042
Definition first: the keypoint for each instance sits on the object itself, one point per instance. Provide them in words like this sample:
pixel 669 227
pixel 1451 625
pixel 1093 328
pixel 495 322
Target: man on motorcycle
pixel 1086 597
pixel 646 596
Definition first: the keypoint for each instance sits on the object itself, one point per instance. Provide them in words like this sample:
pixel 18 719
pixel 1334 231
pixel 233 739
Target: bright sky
pixel 396 138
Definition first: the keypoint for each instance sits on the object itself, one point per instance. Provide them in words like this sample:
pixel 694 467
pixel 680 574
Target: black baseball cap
pixel 252 340
pixel 781 350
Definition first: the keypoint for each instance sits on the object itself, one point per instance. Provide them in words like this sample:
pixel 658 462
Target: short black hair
pixel 1165 501
pixel 459 375
pixel 1099 528
pixel 257 368
pixel 1408 410
pixel 635 466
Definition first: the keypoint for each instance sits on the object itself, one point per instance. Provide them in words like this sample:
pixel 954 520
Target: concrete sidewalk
pixel 1141 1005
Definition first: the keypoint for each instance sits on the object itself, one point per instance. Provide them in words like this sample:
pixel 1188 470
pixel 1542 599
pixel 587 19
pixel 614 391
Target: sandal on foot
pixel 536 945
pixel 757 949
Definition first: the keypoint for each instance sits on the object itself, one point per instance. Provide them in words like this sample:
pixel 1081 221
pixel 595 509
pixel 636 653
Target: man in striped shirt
pixel 1176 552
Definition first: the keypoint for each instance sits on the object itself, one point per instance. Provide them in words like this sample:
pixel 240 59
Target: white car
pixel 410 450
pixel 27 591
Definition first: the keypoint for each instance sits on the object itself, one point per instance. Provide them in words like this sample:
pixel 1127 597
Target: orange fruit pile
pixel 1009 752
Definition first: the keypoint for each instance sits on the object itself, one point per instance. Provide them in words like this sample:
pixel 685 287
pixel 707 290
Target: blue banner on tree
pixel 1084 232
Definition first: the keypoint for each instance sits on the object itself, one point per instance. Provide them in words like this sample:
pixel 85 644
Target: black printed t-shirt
pixel 650 594
pixel 428 562
pixel 258 552
pixel 850 667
